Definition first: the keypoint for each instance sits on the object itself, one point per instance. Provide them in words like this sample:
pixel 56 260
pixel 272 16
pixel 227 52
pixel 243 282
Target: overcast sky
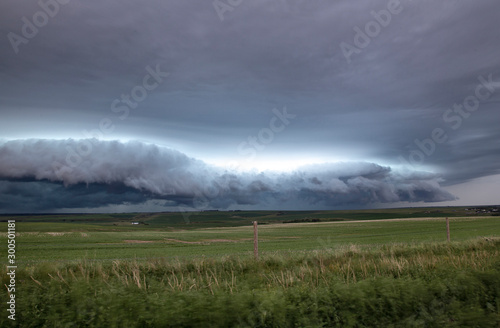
pixel 239 104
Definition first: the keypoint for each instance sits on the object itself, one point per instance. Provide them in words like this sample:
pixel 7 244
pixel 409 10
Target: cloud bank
pixel 227 72
pixel 46 175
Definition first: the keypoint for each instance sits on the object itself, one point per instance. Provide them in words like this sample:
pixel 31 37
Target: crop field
pixel 390 268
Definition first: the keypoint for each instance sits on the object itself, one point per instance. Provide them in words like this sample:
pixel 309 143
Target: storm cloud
pixel 410 86
pixel 48 174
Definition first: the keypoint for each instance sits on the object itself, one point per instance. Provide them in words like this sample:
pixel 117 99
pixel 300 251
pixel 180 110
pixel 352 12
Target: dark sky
pixel 236 104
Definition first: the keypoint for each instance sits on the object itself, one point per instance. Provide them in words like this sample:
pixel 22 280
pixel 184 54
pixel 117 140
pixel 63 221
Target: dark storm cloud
pixel 30 195
pixel 225 77
pixel 46 174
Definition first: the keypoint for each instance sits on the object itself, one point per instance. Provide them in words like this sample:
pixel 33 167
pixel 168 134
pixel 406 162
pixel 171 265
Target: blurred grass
pixel 101 271
pixel 433 284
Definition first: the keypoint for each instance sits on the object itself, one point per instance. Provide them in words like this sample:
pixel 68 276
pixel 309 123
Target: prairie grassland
pixel 41 242
pixel 396 273
pixel 428 285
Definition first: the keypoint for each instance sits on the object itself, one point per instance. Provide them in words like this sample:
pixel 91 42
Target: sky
pixel 113 106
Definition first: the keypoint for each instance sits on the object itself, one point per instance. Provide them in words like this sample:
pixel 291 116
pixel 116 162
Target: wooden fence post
pixel 448 229
pixel 255 241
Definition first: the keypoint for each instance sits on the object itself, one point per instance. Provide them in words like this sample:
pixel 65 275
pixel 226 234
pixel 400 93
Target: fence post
pixel 255 241
pixel 448 229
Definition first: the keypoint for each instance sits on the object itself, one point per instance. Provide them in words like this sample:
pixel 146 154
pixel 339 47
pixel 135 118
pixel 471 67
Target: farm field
pixel 105 237
pixel 343 270
pixel 45 242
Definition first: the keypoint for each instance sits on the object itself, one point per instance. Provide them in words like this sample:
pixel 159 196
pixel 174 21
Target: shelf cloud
pixel 382 90
pixel 44 175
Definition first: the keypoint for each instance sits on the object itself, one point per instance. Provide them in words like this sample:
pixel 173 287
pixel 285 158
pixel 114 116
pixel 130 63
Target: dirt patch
pixel 207 241
pixel 56 233
pixel 227 240
pixel 183 241
pixel 138 241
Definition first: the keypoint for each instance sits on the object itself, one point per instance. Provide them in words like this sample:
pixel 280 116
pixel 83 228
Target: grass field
pixel 351 269
pixel 37 241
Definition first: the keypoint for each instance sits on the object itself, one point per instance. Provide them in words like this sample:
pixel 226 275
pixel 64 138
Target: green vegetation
pixel 55 241
pixel 102 271
pixel 206 219
pixel 432 285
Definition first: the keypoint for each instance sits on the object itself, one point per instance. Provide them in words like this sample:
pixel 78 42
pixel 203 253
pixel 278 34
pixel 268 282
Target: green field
pixel 196 220
pixel 346 269
pixel 37 242
pixel 169 235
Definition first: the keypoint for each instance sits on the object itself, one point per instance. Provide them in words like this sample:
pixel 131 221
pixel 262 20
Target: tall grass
pixel 419 285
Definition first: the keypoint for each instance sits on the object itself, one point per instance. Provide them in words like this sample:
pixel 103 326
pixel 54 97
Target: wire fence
pixel 99 248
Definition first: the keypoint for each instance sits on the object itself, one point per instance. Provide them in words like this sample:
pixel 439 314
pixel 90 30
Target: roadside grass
pixel 391 273
pixel 418 284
